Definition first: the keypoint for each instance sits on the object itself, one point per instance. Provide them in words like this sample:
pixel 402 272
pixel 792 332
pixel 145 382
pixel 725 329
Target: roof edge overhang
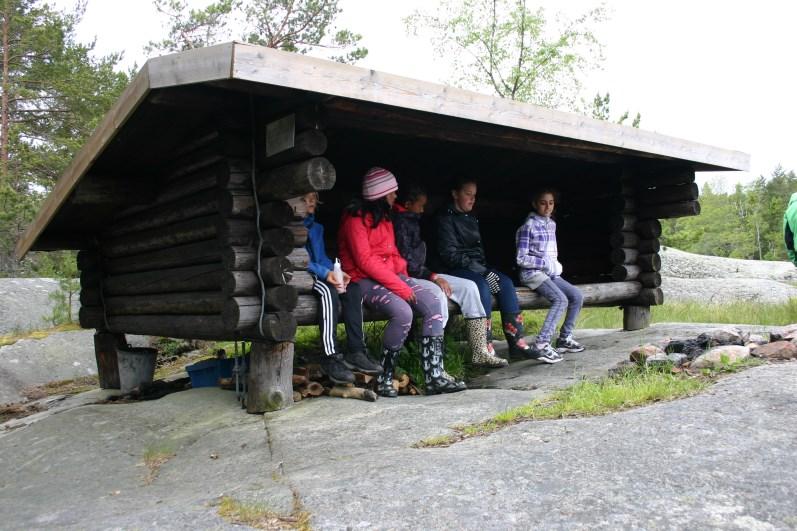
pixel 192 66
pixel 251 63
pixel 263 65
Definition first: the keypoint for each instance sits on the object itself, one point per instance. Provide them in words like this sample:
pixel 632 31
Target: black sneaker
pixel 333 366
pixel 568 344
pixel 360 362
pixel 545 354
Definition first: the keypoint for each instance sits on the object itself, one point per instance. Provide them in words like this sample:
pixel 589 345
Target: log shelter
pixel 163 199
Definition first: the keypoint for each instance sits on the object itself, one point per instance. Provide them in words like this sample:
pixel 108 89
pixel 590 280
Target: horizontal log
pixel 276 326
pixel 648 228
pixel 649 262
pixel 647 297
pixel 668 194
pixel 90 296
pixel 300 233
pixel 194 303
pixel 297 179
pixel 104 190
pixel 652 245
pixel 203 252
pixel 668 177
pixel 193 230
pixel 88 260
pixel 306 145
pixel 278 242
pixel 241 204
pixel 243 312
pixel 299 258
pixel 624 255
pixel 670 210
pixel 229 174
pixel 276 271
pixel 225 145
pixel 205 277
pixel 650 279
pixel 307 309
pixel 624 222
pixel 624 239
pixel 302 281
pixel 625 272
pixel 204 203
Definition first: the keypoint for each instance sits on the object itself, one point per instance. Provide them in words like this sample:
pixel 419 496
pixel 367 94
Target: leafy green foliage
pixel 601 111
pixel 299 26
pixel 513 50
pixel 64 268
pixel 747 223
pixel 54 92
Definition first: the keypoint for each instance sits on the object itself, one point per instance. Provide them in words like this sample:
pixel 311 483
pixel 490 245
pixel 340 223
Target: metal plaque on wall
pixel 280 135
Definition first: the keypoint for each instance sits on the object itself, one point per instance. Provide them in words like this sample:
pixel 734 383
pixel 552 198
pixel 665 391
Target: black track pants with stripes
pixel 351 303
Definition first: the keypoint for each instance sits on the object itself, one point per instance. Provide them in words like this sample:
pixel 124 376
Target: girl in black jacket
pixel 460 250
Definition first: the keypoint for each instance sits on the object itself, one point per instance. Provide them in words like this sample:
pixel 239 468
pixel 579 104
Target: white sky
pixel 718 72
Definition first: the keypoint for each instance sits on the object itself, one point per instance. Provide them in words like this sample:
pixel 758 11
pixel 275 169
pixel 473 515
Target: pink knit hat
pixel 378 182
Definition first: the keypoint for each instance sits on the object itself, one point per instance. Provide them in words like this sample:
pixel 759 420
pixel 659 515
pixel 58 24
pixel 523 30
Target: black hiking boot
pixel 332 365
pixel 360 362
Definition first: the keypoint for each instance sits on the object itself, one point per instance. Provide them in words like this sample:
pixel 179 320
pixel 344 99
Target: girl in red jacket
pixel 368 254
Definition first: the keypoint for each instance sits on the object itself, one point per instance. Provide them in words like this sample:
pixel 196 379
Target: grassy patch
pixel 587 398
pixel 689 312
pixel 10 339
pixel 18 411
pixel 154 458
pixel 261 517
pixel 63 387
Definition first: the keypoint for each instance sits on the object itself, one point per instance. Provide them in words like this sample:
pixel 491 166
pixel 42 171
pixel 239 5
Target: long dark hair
pixel 379 210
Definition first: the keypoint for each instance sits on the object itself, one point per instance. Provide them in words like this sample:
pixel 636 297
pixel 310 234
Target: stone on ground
pixel 779 350
pixel 718 356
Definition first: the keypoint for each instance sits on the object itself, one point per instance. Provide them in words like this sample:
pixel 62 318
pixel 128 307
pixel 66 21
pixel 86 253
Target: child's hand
pixel 332 280
pixel 346 280
pixel 444 285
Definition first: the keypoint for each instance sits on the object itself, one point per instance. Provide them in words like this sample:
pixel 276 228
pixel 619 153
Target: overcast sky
pixel 717 72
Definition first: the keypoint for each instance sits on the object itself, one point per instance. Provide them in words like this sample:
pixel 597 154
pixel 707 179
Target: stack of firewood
pixel 309 382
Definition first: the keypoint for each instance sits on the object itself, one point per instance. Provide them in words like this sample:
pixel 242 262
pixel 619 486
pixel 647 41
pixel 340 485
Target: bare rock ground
pixel 25 303
pixel 723 459
pixel 688 277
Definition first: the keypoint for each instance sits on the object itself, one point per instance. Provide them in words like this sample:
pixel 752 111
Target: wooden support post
pixel 106 345
pixel 636 317
pixel 270 377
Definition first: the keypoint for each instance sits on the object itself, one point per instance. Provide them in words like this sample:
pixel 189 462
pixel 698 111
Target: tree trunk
pixel 636 317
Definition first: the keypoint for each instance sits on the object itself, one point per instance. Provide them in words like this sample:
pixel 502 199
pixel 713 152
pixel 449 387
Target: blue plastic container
pixel 206 373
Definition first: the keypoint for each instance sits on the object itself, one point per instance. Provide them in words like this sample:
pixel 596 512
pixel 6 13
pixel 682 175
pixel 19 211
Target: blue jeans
pixel 563 296
pixel 507 297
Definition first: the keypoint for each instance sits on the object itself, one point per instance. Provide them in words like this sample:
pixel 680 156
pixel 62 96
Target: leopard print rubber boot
pixel 477 341
pixel 384 382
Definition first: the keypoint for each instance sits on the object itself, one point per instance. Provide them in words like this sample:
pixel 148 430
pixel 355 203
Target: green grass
pixel 586 398
pixel 674 312
pixel 10 339
pixel 258 516
pixel 154 458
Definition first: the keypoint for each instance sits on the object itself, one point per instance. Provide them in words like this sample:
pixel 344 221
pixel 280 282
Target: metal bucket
pixel 136 367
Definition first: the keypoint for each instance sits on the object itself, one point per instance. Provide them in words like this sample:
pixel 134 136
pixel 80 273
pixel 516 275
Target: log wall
pixel 218 253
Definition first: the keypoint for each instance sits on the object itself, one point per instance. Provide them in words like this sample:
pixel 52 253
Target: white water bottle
pixel 337 272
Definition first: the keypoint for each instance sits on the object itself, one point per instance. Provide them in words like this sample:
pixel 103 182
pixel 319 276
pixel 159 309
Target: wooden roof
pixel 132 128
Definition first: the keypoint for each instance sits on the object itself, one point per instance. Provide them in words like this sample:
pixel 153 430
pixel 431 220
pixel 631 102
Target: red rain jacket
pixel 367 252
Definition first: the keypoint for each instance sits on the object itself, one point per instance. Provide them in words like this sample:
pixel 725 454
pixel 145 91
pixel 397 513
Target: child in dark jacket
pixel 330 291
pixel 407 213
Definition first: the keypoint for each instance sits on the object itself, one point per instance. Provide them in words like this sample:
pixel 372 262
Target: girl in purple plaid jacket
pixel 540 270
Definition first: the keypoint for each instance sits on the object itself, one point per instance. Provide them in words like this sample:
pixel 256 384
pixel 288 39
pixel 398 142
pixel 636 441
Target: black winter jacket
pixel 407 226
pixel 459 241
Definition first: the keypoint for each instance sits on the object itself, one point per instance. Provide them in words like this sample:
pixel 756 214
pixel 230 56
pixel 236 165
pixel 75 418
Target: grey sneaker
pixel 568 344
pixel 545 353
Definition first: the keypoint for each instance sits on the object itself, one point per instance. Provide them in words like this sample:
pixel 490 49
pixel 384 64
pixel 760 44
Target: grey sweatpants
pixel 464 292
